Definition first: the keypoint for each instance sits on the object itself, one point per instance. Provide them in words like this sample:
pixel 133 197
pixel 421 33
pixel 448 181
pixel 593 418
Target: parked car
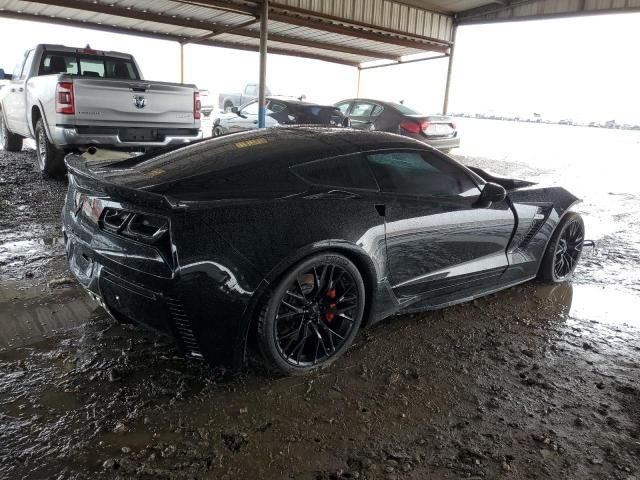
pixel 436 130
pixel 72 98
pixel 206 103
pixel 279 111
pixel 227 101
pixel 290 239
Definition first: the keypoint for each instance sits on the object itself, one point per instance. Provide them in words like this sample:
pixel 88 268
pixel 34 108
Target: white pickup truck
pixel 69 99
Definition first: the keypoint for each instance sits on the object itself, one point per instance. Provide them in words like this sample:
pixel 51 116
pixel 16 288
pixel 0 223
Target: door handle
pixel 381 208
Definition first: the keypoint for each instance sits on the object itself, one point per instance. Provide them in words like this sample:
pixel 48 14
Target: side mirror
pixel 5 76
pixel 492 192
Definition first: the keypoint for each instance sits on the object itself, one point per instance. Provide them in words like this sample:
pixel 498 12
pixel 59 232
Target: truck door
pixel 15 103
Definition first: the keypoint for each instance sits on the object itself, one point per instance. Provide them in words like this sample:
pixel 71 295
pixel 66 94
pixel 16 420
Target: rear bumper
pixel 441 143
pixel 191 308
pixel 446 143
pixel 84 136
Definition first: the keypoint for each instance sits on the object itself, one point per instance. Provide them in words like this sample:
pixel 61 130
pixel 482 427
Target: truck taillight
pixel 196 105
pixel 64 98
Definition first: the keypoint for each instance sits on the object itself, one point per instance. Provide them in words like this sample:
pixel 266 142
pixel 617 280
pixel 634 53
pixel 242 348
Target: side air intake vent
pixel 538 220
pixel 183 326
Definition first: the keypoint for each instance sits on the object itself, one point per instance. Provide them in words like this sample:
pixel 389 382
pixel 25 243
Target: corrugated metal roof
pixel 342 31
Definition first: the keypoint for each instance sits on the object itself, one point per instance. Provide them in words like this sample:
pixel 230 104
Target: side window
pixel 18 70
pixel 341 172
pixel 275 107
pixel 344 107
pixel 377 110
pixel 27 64
pixel 251 109
pixel 361 109
pixel 59 63
pixel 420 173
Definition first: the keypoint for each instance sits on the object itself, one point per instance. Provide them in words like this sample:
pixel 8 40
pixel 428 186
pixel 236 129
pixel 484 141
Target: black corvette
pixel 289 240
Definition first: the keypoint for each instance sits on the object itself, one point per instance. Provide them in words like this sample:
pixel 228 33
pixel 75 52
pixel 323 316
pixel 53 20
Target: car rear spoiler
pixel 507 183
pixel 86 174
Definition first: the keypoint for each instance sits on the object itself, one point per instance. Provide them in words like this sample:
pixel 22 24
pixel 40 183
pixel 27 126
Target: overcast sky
pixel 583 68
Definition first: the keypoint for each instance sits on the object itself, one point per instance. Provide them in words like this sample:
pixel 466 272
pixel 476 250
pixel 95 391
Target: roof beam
pixel 215 33
pixel 315 44
pixel 214 28
pixel 169 37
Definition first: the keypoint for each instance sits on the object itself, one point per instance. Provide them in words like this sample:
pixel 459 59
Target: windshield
pixel 404 109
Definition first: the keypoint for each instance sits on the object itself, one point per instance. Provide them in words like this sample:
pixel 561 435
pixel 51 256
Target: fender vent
pixel 184 330
pixel 538 221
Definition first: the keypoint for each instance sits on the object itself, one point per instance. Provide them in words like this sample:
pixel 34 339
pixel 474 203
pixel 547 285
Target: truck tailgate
pixel 133 103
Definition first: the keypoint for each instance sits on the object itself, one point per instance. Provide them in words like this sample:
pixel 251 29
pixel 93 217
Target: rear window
pixel 404 109
pixel 318 115
pixel 99 66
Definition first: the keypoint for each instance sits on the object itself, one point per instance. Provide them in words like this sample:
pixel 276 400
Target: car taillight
pixel 453 125
pixel 134 225
pixel 411 127
pixel 64 98
pixel 196 105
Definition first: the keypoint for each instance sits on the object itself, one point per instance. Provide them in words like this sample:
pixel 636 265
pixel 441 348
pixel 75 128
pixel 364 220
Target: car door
pixel 439 244
pixel 360 115
pixel 246 119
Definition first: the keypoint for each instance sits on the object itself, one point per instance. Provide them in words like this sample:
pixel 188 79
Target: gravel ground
pixel 534 382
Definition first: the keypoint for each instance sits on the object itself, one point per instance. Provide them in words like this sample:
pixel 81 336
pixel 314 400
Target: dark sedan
pixel 290 240
pixel 366 114
pixel 279 111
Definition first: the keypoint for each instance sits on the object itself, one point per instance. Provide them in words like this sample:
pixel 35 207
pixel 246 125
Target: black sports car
pixel 292 239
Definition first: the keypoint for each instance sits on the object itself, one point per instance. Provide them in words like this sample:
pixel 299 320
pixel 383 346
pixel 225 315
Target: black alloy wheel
pixel 313 314
pixel 564 249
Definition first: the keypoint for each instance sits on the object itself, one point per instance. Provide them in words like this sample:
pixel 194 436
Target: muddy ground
pixel 534 382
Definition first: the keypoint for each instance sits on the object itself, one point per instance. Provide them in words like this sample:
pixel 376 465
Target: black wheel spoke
pixel 568 250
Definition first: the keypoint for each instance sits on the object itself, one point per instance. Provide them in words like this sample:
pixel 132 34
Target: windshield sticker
pixel 251 143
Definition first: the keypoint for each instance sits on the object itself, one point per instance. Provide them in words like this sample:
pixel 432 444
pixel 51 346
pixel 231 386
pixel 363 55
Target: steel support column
pixel 181 62
pixel 262 85
pixel 445 106
pixel 358 84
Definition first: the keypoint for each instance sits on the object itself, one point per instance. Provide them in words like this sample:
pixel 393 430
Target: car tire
pixel 217 131
pixel 312 315
pixel 50 158
pixel 564 250
pixel 9 141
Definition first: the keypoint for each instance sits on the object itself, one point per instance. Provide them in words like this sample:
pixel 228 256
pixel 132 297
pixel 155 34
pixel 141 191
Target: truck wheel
pixel 227 107
pixel 9 141
pixel 50 158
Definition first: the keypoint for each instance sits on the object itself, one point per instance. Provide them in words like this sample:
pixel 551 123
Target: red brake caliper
pixel 330 315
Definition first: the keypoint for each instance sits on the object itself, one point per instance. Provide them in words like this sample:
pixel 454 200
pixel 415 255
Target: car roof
pixel 295 101
pixel 293 144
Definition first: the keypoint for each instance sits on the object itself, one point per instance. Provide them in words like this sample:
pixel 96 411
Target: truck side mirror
pixel 5 76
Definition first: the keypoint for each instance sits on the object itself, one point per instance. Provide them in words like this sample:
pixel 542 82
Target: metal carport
pixel 350 32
